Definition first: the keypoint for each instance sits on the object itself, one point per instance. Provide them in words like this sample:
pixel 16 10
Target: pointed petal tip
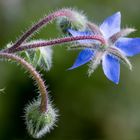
pixel 83 57
pixel 71 68
pixel 116 82
pixel 74 66
pixel 119 13
pixel 111 25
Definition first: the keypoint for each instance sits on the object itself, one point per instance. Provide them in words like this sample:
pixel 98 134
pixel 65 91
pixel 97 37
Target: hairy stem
pixel 63 12
pixel 34 74
pixel 57 42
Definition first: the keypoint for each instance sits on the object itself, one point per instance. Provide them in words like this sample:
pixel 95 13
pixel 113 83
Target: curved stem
pixel 35 75
pixel 57 42
pixel 63 12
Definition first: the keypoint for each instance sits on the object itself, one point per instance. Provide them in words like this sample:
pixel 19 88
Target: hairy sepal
pixel 39 57
pixel 39 123
pixel 120 56
pixel 95 62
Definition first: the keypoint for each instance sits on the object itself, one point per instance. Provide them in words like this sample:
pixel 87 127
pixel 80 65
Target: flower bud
pixel 39 57
pixel 39 123
pixel 77 21
pixel 46 58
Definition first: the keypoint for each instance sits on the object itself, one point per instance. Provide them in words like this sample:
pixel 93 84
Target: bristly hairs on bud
pixel 39 123
pixel 77 22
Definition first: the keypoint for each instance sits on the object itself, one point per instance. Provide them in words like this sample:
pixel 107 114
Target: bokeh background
pixel 90 108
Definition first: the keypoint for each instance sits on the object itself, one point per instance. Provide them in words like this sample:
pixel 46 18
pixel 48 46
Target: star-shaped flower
pixel 116 48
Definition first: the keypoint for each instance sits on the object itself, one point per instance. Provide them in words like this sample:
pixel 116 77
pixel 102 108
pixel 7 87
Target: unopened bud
pixel 77 21
pixel 39 123
pixel 38 57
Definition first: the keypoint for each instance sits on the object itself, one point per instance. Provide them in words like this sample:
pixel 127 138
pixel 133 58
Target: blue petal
pixel 111 25
pixel 83 57
pixel 111 68
pixel 79 33
pixel 129 46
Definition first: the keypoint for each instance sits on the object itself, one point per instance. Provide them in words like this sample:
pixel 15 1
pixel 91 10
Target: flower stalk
pixel 60 13
pixel 36 76
pixel 57 42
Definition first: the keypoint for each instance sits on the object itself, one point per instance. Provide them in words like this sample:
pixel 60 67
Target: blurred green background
pixel 90 108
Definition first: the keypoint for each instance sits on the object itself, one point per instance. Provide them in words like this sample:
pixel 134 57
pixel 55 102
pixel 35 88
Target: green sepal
pixel 39 123
pixel 39 57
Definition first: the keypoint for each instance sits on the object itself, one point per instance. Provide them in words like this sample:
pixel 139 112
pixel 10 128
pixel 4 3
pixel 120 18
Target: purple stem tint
pixel 63 12
pixel 36 76
pixel 57 42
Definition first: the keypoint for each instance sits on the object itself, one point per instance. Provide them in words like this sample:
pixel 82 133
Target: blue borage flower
pixel 116 49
